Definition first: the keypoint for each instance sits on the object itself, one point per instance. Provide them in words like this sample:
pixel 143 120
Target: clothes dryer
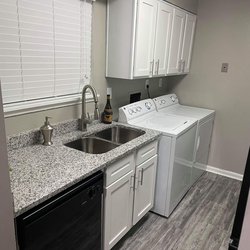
pixel 175 151
pixel 169 105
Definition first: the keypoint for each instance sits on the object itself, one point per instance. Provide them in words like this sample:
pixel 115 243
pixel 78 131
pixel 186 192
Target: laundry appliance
pixel 176 151
pixel 169 105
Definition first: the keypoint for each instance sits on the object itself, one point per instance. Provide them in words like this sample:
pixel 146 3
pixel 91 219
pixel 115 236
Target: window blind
pixel 45 49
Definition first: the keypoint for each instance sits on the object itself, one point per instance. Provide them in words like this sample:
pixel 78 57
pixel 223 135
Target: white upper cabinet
pixel 188 42
pixel 153 29
pixel 143 35
pixel 174 63
pixel 162 38
pixel 181 42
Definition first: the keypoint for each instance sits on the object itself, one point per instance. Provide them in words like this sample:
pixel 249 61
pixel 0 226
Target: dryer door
pixel 203 145
pixel 180 176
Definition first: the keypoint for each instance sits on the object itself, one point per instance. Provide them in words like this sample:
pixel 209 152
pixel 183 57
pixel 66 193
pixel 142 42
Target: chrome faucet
pixel 85 117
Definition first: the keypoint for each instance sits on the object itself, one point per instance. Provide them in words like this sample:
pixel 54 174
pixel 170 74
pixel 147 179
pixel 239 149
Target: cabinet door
pixel 188 42
pixel 145 34
pixel 162 38
pixel 144 188
pixel 118 206
pixel 176 41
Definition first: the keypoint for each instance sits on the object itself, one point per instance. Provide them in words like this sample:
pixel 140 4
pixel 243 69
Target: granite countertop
pixel 39 172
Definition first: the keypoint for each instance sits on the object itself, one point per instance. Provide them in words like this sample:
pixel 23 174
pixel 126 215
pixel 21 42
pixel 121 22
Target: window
pixel 45 51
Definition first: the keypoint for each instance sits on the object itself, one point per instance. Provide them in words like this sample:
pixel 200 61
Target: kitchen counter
pixel 39 172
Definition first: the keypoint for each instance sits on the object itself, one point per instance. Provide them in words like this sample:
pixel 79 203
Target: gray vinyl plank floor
pixel 202 221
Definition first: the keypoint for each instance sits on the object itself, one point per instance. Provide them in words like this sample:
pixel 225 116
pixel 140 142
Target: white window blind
pixel 45 50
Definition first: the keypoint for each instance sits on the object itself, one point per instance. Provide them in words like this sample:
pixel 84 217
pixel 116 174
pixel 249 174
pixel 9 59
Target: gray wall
pixel 222 35
pixel 7 234
pixel 190 5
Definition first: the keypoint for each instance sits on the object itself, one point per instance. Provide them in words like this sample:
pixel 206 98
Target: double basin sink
pixel 105 140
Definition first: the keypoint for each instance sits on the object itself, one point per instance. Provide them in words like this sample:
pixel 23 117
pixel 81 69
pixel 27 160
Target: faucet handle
pixel 88 118
pixel 96 112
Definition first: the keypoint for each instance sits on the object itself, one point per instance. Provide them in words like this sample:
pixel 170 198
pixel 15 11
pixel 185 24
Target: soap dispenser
pixel 47 131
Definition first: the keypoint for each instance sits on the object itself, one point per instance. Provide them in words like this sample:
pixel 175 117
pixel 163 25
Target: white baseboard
pixel 224 172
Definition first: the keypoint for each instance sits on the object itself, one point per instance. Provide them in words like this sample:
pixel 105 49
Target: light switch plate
pixel 224 67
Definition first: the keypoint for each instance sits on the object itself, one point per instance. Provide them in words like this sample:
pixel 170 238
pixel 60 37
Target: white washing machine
pixel 169 105
pixel 175 151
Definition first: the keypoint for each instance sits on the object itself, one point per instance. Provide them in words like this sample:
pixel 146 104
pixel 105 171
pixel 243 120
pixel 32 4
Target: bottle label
pixel 107 118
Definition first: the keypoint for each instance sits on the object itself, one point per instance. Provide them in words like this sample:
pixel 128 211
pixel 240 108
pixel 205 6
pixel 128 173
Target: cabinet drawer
pixel 119 169
pixel 146 152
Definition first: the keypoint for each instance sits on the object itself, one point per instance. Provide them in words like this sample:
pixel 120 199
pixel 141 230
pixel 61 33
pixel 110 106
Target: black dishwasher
pixel 70 220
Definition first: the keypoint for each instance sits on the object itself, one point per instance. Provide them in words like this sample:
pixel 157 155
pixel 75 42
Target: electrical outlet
pixel 224 67
pixel 160 83
pixel 146 83
pixel 109 92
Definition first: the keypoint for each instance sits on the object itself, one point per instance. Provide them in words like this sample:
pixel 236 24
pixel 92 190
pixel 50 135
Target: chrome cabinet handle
pixel 198 143
pixel 179 66
pixel 156 66
pixel 151 68
pixel 183 65
pixel 132 181
pixel 142 172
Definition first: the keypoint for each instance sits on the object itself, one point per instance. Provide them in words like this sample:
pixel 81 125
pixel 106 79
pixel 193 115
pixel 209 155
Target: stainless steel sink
pixel 119 134
pixel 105 140
pixel 92 145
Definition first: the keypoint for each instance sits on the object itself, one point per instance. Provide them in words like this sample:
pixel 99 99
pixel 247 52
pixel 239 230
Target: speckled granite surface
pixel 38 172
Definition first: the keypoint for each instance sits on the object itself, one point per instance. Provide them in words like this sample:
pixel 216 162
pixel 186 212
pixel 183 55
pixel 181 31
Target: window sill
pixel 26 107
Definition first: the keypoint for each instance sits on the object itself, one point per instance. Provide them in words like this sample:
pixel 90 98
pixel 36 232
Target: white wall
pixel 7 234
pixel 222 35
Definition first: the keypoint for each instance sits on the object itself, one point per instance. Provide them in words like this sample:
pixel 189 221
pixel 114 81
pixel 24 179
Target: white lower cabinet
pixel 128 198
pixel 144 188
pixel 118 209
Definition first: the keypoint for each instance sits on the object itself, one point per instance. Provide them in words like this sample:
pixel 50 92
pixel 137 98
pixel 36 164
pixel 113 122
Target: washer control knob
pixel 148 105
pixel 173 98
pixel 130 111
pixel 138 108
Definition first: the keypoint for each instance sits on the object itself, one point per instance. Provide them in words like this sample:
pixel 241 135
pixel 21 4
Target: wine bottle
pixel 107 113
